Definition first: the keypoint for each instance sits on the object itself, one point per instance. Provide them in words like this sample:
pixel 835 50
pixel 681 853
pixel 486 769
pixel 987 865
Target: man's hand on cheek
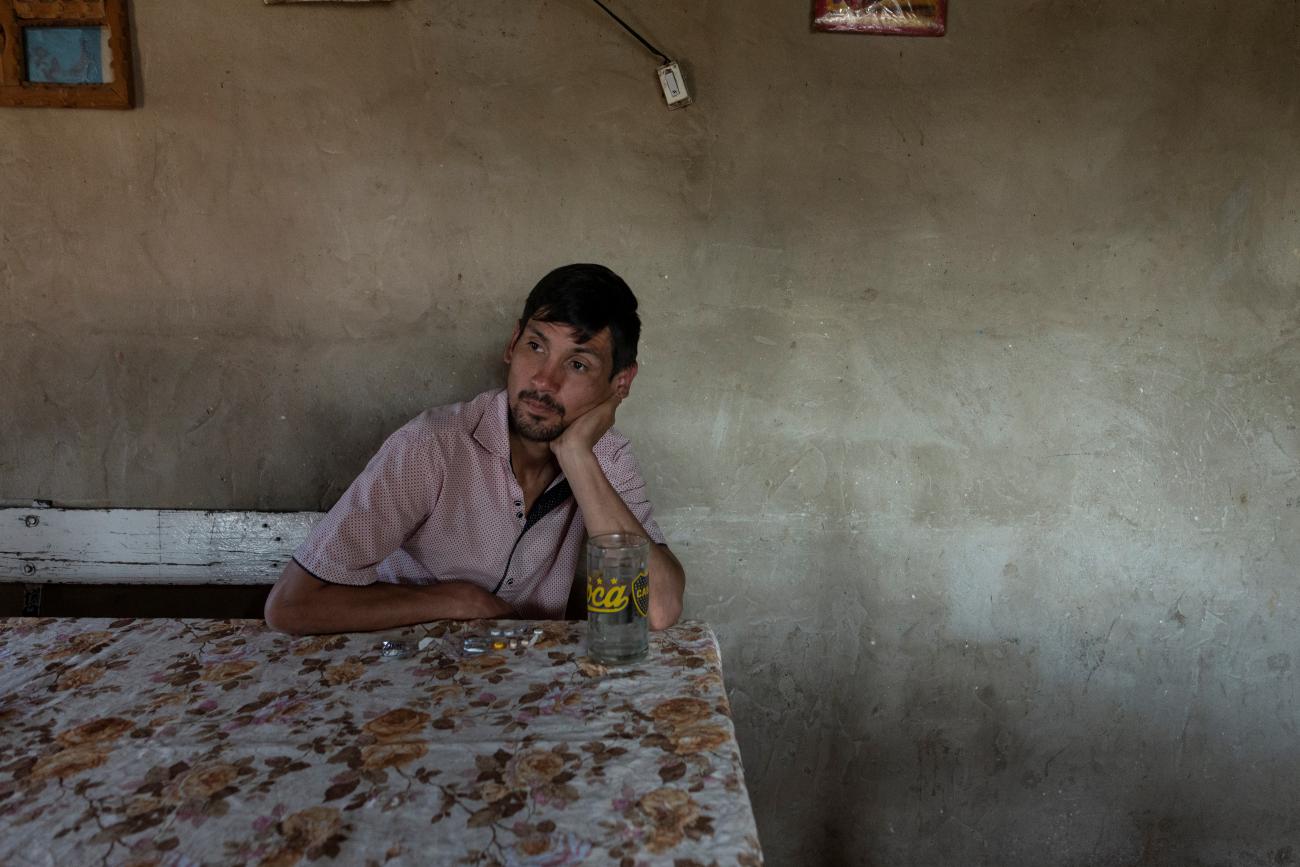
pixel 582 434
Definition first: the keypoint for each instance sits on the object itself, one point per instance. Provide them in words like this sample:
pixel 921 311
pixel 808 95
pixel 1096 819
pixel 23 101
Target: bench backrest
pixel 147 546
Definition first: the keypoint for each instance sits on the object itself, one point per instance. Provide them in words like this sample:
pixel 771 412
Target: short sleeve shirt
pixel 439 502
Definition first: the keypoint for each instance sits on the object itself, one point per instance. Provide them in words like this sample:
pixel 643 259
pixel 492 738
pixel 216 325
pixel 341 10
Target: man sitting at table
pixel 479 509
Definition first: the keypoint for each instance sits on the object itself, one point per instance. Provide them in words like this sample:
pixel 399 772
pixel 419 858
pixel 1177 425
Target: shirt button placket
pixel 519 516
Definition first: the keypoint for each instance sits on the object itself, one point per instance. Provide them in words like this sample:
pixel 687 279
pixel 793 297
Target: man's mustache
pixel 544 399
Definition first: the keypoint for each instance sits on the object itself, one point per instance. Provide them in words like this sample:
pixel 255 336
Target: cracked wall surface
pixel 969 375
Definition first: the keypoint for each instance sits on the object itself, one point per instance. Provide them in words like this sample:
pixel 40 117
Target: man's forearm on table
pixel 355 609
pixel 604 511
pixel 308 606
pixel 667 584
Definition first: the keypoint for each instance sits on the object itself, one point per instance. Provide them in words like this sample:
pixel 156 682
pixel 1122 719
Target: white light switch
pixel 674 85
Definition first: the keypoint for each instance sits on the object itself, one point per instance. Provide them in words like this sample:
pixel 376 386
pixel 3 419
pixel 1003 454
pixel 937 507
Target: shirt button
pixel 519 514
pixel 511 581
pixel 519 502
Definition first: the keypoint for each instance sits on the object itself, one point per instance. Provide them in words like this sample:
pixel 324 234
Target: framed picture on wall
pixel 65 53
pixel 896 17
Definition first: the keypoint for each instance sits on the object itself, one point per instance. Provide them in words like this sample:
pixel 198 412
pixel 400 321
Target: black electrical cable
pixel 639 37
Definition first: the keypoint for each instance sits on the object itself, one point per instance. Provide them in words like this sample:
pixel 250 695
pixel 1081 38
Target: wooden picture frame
pixel 889 17
pixel 65 53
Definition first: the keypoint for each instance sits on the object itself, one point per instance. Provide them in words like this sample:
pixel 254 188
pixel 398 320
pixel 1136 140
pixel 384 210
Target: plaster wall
pixel 969 377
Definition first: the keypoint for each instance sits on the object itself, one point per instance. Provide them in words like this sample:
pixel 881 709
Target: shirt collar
pixel 493 431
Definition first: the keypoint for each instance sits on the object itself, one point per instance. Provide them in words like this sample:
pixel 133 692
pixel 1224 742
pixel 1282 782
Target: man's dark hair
pixel 589 299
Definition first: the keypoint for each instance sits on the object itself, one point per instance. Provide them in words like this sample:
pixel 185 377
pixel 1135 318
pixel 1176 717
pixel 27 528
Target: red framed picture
pixel 65 53
pixel 897 17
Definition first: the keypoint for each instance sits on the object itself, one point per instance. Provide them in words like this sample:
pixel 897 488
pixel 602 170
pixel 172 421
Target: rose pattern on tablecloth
pixel 188 742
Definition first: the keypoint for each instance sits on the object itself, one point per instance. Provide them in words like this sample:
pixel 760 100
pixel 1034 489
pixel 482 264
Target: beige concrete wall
pixel 969 377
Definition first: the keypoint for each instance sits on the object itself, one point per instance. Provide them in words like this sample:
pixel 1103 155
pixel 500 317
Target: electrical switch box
pixel 674 85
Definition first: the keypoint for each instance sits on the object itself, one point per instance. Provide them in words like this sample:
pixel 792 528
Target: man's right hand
pixel 471 602
pixel 302 604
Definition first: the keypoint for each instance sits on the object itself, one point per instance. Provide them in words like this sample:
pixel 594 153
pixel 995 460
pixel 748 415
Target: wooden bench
pixel 42 544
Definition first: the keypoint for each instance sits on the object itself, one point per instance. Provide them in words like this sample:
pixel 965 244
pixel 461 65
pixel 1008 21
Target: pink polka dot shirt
pixel 439 502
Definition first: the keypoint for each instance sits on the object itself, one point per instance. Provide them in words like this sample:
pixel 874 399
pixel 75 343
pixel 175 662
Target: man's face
pixel 553 379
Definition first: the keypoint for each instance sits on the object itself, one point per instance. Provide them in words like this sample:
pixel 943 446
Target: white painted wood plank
pixel 148 546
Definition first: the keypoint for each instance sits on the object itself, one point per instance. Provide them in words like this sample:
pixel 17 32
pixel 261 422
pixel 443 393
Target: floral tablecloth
pixel 187 742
